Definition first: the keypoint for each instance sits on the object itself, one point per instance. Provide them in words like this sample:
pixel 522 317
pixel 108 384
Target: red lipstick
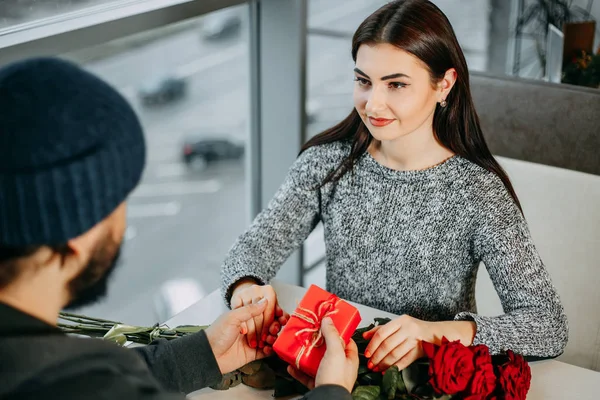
pixel 379 122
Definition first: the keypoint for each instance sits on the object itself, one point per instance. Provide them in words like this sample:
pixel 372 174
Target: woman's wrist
pixel 464 331
pixel 243 283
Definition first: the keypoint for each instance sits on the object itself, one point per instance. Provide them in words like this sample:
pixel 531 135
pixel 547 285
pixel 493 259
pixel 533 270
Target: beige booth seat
pixel 547 137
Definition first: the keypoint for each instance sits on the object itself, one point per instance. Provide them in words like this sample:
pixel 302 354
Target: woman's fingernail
pixel 264 337
pixel 368 354
pixel 261 344
pixel 370 365
pixel 376 369
pixel 253 344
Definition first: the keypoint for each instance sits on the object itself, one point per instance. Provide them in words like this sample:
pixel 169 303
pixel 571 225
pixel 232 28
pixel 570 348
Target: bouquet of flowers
pixel 449 371
pixel 118 332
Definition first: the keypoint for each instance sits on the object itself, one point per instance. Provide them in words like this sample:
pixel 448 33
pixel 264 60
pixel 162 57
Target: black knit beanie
pixel 71 150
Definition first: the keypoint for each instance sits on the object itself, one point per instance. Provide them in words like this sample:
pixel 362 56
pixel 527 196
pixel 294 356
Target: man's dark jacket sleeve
pixel 188 364
pixel 183 365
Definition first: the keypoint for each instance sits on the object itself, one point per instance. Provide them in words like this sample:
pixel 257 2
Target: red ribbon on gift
pixel 312 334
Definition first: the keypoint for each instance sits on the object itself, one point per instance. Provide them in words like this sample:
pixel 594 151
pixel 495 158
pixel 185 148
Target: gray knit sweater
pixel 410 242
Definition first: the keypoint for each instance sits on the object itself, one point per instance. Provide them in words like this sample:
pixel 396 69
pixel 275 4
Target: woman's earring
pixel 443 103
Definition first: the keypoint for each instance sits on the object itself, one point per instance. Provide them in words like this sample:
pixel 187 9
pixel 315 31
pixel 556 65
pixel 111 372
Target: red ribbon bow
pixel 311 336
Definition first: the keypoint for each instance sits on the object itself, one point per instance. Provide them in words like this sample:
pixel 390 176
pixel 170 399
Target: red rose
pixel 451 366
pixel 484 379
pixel 481 355
pixel 515 377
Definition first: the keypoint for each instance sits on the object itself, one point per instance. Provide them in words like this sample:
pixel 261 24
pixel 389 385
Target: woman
pixel 411 200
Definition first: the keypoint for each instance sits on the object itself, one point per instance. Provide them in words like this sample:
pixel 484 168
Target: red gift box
pixel 300 343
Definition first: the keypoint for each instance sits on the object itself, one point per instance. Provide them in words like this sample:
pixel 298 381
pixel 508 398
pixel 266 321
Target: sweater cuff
pixel 483 332
pixel 196 361
pixel 228 292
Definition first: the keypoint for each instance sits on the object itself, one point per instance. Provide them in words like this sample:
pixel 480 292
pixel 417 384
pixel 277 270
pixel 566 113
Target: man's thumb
pixel 333 340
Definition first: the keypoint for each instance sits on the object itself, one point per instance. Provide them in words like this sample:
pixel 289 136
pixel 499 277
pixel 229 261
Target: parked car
pixel 221 24
pixel 199 153
pixel 162 91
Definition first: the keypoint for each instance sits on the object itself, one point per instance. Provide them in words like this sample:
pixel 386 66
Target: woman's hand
pixel 396 343
pixel 399 341
pixel 261 330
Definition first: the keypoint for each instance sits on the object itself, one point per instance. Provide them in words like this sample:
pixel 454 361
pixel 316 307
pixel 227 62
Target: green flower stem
pixel 83 317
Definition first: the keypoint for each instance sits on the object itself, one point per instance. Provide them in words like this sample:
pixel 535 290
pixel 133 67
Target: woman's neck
pixel 411 152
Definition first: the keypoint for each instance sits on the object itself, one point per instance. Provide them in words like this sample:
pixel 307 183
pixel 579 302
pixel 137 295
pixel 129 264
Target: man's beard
pixel 91 285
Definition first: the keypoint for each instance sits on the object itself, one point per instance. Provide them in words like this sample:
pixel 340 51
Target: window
pixel 15 12
pixel 189 84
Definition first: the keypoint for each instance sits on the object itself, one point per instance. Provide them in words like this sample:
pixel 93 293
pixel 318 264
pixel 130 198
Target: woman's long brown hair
pixel 421 29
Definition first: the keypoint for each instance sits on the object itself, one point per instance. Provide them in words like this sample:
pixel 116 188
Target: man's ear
pixel 80 250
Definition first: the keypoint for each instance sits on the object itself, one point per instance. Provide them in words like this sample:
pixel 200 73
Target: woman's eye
pixel 361 81
pixel 397 85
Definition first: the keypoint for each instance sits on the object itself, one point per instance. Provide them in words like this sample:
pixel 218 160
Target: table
pixel 551 379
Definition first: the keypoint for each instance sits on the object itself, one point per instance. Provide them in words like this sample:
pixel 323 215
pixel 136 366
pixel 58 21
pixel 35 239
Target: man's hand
pixel 227 337
pixel 339 365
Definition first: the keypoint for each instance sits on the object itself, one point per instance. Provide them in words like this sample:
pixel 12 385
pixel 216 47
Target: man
pixel 71 151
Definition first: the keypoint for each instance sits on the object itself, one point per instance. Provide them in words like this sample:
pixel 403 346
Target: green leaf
pixel 366 393
pixel 190 328
pixel 372 378
pixel 119 339
pixel 390 381
pixel 401 386
pixel 118 330
pixel 360 331
pixel 382 321
pixel 362 369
